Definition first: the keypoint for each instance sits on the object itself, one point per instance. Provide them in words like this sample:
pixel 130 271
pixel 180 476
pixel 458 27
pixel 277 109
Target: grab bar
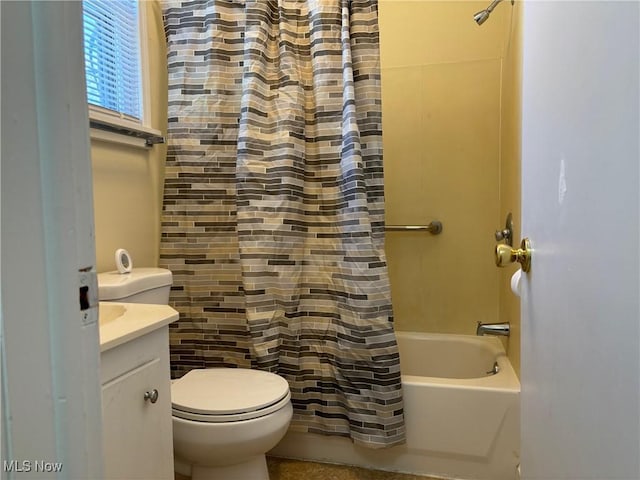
pixel 435 228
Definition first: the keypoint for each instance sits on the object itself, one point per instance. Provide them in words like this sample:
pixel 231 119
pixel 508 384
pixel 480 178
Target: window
pixel 112 56
pixel 114 70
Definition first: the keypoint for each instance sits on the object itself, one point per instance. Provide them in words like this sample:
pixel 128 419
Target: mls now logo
pixel 31 466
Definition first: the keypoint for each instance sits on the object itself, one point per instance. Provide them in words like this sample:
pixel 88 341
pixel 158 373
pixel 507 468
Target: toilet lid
pixel 227 391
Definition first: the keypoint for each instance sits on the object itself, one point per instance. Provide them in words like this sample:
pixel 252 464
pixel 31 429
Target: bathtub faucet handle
pixel 507 233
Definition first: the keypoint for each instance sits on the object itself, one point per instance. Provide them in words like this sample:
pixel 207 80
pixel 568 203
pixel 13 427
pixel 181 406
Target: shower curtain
pixel 273 216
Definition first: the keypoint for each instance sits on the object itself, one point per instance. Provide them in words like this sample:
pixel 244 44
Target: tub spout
pixel 501 329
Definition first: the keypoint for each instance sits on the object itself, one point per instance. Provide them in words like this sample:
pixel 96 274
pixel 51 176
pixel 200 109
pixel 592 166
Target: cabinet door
pixel 137 433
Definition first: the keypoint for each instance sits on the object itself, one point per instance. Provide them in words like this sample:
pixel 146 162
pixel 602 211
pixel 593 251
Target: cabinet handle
pixel 152 396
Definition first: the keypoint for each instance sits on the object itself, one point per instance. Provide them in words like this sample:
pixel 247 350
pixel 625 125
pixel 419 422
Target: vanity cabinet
pixel 137 429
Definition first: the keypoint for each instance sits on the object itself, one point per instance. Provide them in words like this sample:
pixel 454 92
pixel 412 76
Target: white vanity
pixel 136 390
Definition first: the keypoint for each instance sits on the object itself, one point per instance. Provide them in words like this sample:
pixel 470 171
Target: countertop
pixel 122 322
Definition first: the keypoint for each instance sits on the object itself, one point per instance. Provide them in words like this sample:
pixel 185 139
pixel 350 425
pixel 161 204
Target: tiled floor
pixel 285 469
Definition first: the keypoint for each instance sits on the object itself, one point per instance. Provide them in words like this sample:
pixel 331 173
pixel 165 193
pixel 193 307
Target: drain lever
pixel 494 370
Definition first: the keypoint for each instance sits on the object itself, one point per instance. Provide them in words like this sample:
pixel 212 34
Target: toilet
pixel 224 419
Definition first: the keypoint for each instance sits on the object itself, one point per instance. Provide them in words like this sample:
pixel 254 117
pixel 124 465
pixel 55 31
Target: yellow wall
pixel 451 125
pixel 128 181
pixel 441 77
pixel 509 304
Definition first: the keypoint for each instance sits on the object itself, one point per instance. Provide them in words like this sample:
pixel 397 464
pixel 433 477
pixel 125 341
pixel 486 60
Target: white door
pixel 51 410
pixel 580 183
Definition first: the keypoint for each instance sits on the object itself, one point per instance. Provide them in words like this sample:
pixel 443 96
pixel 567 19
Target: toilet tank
pixel 141 285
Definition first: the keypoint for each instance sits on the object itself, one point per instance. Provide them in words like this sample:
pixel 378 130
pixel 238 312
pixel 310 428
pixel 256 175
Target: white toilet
pixel 224 419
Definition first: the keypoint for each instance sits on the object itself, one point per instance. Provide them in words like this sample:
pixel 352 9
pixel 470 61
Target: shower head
pixel 482 15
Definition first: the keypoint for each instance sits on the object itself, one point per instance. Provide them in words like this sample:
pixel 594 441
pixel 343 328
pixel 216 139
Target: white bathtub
pixel 461 422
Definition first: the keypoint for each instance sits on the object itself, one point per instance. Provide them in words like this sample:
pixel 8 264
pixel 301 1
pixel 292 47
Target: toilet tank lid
pixel 115 285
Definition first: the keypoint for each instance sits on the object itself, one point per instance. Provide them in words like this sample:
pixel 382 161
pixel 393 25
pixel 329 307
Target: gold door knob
pixel 505 255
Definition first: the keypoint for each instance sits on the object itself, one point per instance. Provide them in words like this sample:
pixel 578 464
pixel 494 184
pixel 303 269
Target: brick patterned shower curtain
pixel 274 211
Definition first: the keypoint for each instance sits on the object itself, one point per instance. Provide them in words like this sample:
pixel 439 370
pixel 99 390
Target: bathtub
pixel 462 413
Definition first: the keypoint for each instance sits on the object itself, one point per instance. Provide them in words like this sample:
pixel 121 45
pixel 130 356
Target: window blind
pixel 112 57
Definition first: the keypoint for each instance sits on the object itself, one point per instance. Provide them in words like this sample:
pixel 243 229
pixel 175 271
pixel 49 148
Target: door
pixel 580 313
pixel 51 424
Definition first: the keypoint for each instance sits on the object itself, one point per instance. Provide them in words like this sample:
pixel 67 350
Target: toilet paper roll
pixel 515 282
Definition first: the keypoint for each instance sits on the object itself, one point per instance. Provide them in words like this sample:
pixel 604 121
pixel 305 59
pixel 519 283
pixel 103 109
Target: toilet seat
pixel 217 395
